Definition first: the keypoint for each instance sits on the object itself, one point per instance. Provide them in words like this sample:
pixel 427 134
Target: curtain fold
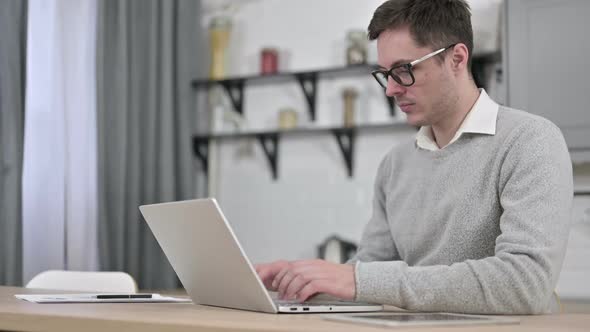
pixel 13 33
pixel 59 195
pixel 147 54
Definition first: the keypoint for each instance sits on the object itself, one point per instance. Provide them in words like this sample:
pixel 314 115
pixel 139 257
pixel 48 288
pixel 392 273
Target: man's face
pixel 429 99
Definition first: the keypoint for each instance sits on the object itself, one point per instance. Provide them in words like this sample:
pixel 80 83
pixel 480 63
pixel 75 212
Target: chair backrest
pixel 100 282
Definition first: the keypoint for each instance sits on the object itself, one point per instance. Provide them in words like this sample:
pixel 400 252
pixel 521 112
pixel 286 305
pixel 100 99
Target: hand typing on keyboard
pixel 299 280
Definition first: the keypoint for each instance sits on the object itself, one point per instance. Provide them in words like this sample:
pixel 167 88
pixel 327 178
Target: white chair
pixel 99 282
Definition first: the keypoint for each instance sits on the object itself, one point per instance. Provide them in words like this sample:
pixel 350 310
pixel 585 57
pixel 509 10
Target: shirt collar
pixel 481 119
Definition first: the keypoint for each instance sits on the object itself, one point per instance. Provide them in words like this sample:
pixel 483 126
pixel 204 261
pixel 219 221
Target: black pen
pixel 123 296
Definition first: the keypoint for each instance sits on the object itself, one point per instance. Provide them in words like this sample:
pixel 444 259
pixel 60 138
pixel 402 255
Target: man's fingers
pixel 278 278
pixel 267 281
pixel 313 287
pixel 284 283
pixel 297 283
pixel 268 272
pixel 303 279
pixel 265 275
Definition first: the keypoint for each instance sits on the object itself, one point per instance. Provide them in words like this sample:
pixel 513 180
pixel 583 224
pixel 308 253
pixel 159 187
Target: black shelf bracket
pixel 345 138
pixel 391 103
pixel 270 145
pixel 201 150
pixel 235 91
pixel 309 85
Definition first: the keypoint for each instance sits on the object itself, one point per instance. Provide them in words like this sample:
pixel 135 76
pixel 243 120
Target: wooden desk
pixel 17 315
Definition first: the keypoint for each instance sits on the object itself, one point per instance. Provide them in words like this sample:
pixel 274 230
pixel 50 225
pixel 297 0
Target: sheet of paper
pixel 91 298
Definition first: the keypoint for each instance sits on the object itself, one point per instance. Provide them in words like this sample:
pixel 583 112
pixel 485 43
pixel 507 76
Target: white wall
pixel 313 197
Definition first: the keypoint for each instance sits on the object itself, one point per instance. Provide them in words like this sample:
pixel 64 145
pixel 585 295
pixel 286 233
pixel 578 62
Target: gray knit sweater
pixel 480 226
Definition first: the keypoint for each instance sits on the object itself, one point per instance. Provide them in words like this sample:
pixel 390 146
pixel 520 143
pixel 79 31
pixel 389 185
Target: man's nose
pixel 394 89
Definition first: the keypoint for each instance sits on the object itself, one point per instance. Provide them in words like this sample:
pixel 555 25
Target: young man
pixel 470 216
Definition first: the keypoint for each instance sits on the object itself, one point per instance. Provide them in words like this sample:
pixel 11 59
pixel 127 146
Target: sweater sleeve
pixel 376 242
pixel 535 192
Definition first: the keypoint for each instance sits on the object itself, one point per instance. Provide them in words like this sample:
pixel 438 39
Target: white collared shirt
pixel 481 119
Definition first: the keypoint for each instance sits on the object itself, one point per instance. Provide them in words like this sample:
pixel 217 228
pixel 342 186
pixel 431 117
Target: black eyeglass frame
pixel 408 66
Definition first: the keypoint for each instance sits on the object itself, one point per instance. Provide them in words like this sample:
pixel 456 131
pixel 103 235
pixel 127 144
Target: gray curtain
pixel 13 26
pixel 147 53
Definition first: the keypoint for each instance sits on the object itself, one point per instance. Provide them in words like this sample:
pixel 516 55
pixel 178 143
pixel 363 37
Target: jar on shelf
pixel 287 118
pixel 269 61
pixel 356 51
pixel 219 33
pixel 349 96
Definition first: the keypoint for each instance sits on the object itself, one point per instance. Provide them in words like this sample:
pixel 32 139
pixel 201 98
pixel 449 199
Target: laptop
pixel 211 264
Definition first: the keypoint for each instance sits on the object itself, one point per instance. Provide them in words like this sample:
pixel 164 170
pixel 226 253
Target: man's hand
pixel 299 280
pixel 267 272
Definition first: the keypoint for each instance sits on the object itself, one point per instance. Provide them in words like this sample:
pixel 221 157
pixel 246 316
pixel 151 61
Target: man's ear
pixel 459 57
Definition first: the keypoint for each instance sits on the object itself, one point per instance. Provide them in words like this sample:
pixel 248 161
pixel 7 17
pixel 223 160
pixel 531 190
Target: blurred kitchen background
pixel 267 105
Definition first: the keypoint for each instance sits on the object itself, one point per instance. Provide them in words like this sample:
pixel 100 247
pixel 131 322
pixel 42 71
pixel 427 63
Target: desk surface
pixel 17 315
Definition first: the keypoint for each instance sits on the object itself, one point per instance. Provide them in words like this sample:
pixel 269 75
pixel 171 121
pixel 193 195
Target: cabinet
pixel 547 48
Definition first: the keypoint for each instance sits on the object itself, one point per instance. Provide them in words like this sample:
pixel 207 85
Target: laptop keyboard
pixel 317 303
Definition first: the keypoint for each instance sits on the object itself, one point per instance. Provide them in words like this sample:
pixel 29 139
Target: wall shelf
pixel 345 136
pixel 269 141
pixel 234 87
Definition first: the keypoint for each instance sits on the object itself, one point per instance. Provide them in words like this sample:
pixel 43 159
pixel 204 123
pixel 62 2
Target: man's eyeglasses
pixel 402 74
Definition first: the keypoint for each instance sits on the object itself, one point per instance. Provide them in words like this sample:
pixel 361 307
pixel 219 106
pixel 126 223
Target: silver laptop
pixel 207 257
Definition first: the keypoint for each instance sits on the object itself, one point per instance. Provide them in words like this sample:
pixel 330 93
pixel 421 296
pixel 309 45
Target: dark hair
pixel 434 23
